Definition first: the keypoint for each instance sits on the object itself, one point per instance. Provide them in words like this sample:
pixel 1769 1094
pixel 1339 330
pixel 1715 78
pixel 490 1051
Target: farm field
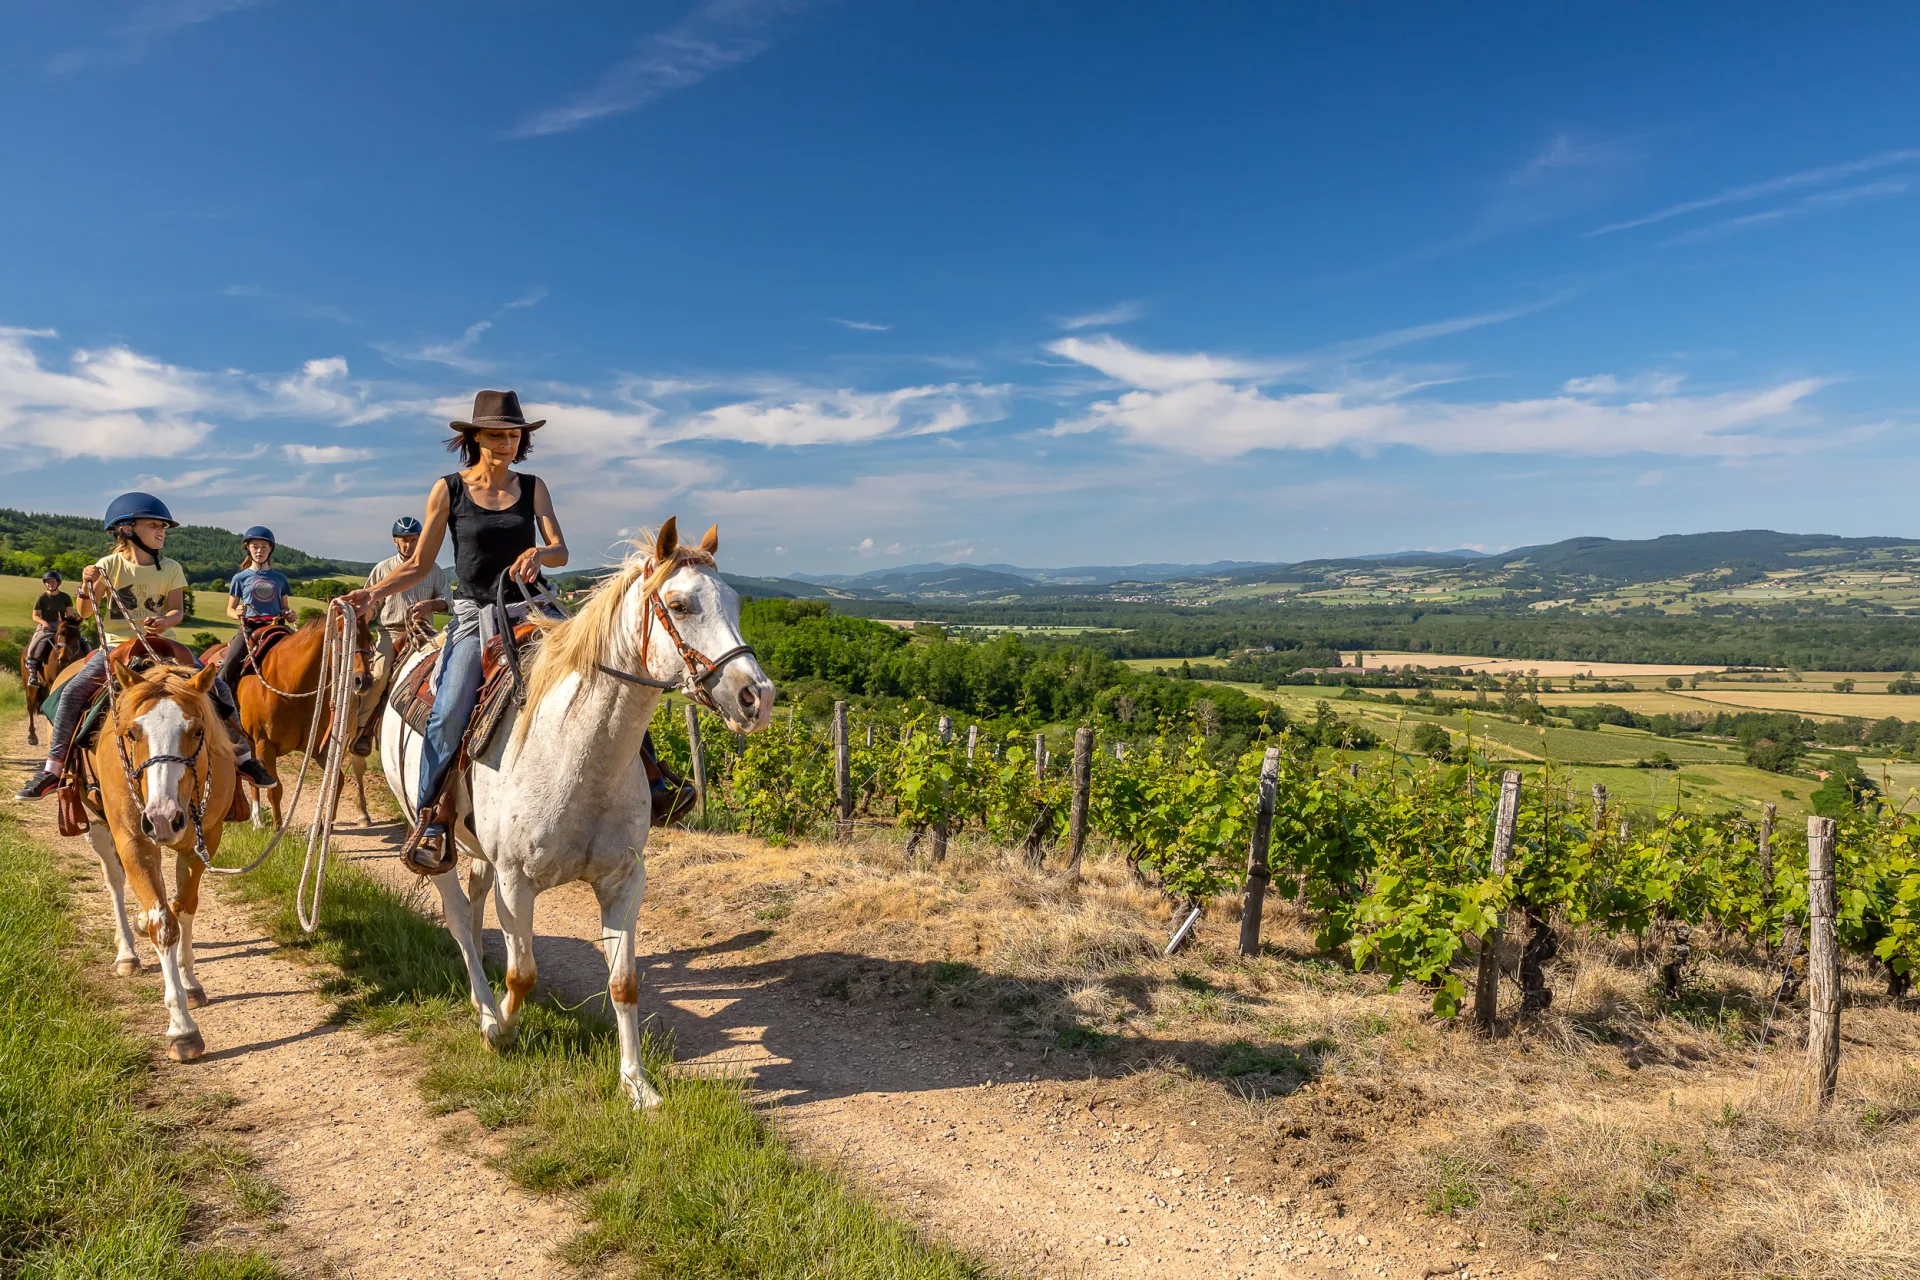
pixel 18 594
pixel 1525 666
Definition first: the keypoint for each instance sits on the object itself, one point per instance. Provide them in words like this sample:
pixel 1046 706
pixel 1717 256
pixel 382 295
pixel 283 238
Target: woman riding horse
pixel 498 519
pixel 143 596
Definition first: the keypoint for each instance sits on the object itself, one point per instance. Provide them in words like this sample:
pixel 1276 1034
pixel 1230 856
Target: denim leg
pixel 75 695
pixel 453 699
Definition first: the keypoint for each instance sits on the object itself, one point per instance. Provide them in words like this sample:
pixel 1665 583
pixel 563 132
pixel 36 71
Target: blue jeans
pixel 456 690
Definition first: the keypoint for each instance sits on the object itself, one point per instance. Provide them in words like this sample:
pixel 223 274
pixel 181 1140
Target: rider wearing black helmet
pixel 411 609
pixel 51 611
pixel 138 593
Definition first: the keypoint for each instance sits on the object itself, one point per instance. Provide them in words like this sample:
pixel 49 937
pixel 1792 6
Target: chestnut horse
pixel 164 768
pixel 277 706
pixel 69 646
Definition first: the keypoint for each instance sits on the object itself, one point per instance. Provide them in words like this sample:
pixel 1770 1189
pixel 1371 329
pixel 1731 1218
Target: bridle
pixel 197 791
pixel 700 673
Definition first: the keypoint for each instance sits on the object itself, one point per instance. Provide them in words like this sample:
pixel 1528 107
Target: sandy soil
pixel 375 1186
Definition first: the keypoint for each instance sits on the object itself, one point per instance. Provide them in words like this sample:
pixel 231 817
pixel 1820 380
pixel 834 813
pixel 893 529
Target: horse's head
pixel 363 653
pixel 697 630
pixel 172 741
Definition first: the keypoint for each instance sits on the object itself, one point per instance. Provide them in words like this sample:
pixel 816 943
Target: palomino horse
pixel 560 794
pixel 164 767
pixel 278 703
pixel 69 646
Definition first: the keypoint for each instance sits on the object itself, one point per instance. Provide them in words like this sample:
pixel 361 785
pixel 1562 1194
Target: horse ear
pixel 203 679
pixel 666 542
pixel 710 541
pixel 123 674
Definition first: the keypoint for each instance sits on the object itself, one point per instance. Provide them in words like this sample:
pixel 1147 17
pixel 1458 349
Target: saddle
pixel 412 697
pixel 261 642
pixel 77 787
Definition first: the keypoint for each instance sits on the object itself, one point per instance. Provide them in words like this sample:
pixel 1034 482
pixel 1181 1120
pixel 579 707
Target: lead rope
pixel 336 676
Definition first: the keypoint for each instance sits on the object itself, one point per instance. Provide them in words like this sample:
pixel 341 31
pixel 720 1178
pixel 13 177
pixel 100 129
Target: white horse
pixel 560 794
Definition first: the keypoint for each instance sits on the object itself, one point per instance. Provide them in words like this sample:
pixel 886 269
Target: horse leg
pixel 479 885
pixel 619 896
pixel 126 960
pixel 184 1043
pixel 186 903
pixel 460 915
pixel 359 766
pixel 513 897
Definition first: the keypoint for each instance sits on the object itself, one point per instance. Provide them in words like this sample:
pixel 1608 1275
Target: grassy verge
pixel 700 1189
pixel 91 1182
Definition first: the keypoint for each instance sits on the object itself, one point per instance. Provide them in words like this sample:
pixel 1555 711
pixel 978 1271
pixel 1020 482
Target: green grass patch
pixel 701 1188
pixel 91 1182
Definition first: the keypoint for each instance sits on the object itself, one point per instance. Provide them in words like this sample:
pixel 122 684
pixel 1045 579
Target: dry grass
pixel 1624 1134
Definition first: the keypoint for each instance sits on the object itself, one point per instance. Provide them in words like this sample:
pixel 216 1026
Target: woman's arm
pixel 418 565
pixel 554 554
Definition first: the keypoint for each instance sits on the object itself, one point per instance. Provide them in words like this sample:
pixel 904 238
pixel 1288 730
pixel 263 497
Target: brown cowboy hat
pixel 497 409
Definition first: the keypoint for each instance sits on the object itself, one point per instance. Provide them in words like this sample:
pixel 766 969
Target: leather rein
pixel 701 672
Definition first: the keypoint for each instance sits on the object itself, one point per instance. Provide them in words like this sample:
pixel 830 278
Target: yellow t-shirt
pixel 139 592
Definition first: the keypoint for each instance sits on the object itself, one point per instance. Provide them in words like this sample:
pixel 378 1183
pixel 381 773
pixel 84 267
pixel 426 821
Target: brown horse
pixel 69 646
pixel 277 705
pixel 163 766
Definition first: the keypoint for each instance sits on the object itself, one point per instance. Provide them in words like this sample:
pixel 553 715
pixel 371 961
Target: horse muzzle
pixel 162 821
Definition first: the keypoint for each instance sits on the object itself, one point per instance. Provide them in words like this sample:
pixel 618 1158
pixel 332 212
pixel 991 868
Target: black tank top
pixel 486 543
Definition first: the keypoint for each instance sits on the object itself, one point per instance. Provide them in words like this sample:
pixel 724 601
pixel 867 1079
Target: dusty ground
pixel 374 1185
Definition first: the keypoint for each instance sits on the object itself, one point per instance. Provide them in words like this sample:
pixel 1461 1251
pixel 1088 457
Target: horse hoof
pixel 186 1048
pixel 499 1037
pixel 126 968
pixel 196 997
pixel 33 739
pixel 640 1093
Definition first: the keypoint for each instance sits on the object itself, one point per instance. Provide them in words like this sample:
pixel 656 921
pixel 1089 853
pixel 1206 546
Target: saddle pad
pixel 413 699
pixel 265 640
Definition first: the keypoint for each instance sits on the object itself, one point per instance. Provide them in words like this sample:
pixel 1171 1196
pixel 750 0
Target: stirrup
pixel 411 853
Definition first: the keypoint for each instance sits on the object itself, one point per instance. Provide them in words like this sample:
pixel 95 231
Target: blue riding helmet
pixel 137 506
pixel 51 575
pixel 259 533
pixel 406 527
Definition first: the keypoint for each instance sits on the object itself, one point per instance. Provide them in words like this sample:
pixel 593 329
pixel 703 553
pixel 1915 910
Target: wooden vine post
pixel 1599 807
pixel 973 740
pixel 1486 987
pixel 1253 901
pixel 698 756
pixel 1082 789
pixel 1042 817
pixel 1766 856
pixel 940 827
pixel 1823 967
pixel 842 774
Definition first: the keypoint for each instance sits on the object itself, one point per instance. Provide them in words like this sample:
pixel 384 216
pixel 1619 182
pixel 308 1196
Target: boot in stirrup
pixel 429 850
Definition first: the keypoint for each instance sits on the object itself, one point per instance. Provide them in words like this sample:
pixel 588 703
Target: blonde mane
pixel 575 646
pixel 161 682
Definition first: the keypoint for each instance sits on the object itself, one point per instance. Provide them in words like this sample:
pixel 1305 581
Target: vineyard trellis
pixel 1393 862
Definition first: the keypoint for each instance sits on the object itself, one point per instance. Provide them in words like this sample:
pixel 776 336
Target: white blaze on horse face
pixel 163 727
pixel 707 612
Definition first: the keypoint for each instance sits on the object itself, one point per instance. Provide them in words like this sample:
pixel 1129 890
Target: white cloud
pixel 864 326
pixel 458 353
pixel 1152 369
pixel 1210 415
pixel 1771 187
pixel 1641 384
pixel 864 546
pixel 313 455
pixel 113 403
pixel 845 416
pixel 149 24
pixel 1119 313
pixel 717 35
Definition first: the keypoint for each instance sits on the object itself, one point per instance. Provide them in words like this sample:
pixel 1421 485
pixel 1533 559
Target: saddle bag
pixel 73 810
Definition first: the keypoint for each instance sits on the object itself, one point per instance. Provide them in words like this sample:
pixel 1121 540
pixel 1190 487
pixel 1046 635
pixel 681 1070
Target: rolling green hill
pixel 30 542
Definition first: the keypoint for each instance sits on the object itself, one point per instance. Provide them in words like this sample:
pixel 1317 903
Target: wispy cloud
pixel 717 35
pixel 1820 177
pixel 313 455
pixel 1215 410
pixel 150 24
pixel 1119 313
pixel 865 326
pixel 458 353
pixel 1818 202
pixel 1161 370
pixel 1362 347
pixel 846 416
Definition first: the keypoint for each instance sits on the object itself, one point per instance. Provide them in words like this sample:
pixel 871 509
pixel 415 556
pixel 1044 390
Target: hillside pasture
pixel 1527 666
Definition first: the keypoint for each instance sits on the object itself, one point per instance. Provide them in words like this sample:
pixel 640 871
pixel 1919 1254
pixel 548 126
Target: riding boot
pixel 250 769
pixel 428 849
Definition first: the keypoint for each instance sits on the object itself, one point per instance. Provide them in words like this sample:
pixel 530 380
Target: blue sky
pixel 1047 283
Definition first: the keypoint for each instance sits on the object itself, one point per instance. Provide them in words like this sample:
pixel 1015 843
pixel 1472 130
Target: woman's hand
pixel 526 567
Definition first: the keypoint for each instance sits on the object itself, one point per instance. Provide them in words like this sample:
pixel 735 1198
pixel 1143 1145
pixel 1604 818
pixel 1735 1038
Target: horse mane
pixel 576 646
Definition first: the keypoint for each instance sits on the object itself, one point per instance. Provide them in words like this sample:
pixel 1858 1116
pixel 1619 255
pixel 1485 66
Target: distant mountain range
pixel 1573 564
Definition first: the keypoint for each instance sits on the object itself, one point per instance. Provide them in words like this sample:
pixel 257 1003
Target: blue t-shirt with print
pixel 263 592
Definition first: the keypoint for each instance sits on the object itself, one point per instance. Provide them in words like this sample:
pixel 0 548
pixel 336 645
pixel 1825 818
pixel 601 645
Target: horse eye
pixel 134 732
pixel 681 606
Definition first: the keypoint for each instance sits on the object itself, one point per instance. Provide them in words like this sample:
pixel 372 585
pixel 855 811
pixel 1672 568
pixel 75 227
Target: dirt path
pixel 375 1186
pixel 1017 1156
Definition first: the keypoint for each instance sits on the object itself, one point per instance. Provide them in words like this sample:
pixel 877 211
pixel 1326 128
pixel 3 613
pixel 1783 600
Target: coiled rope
pixel 336 678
